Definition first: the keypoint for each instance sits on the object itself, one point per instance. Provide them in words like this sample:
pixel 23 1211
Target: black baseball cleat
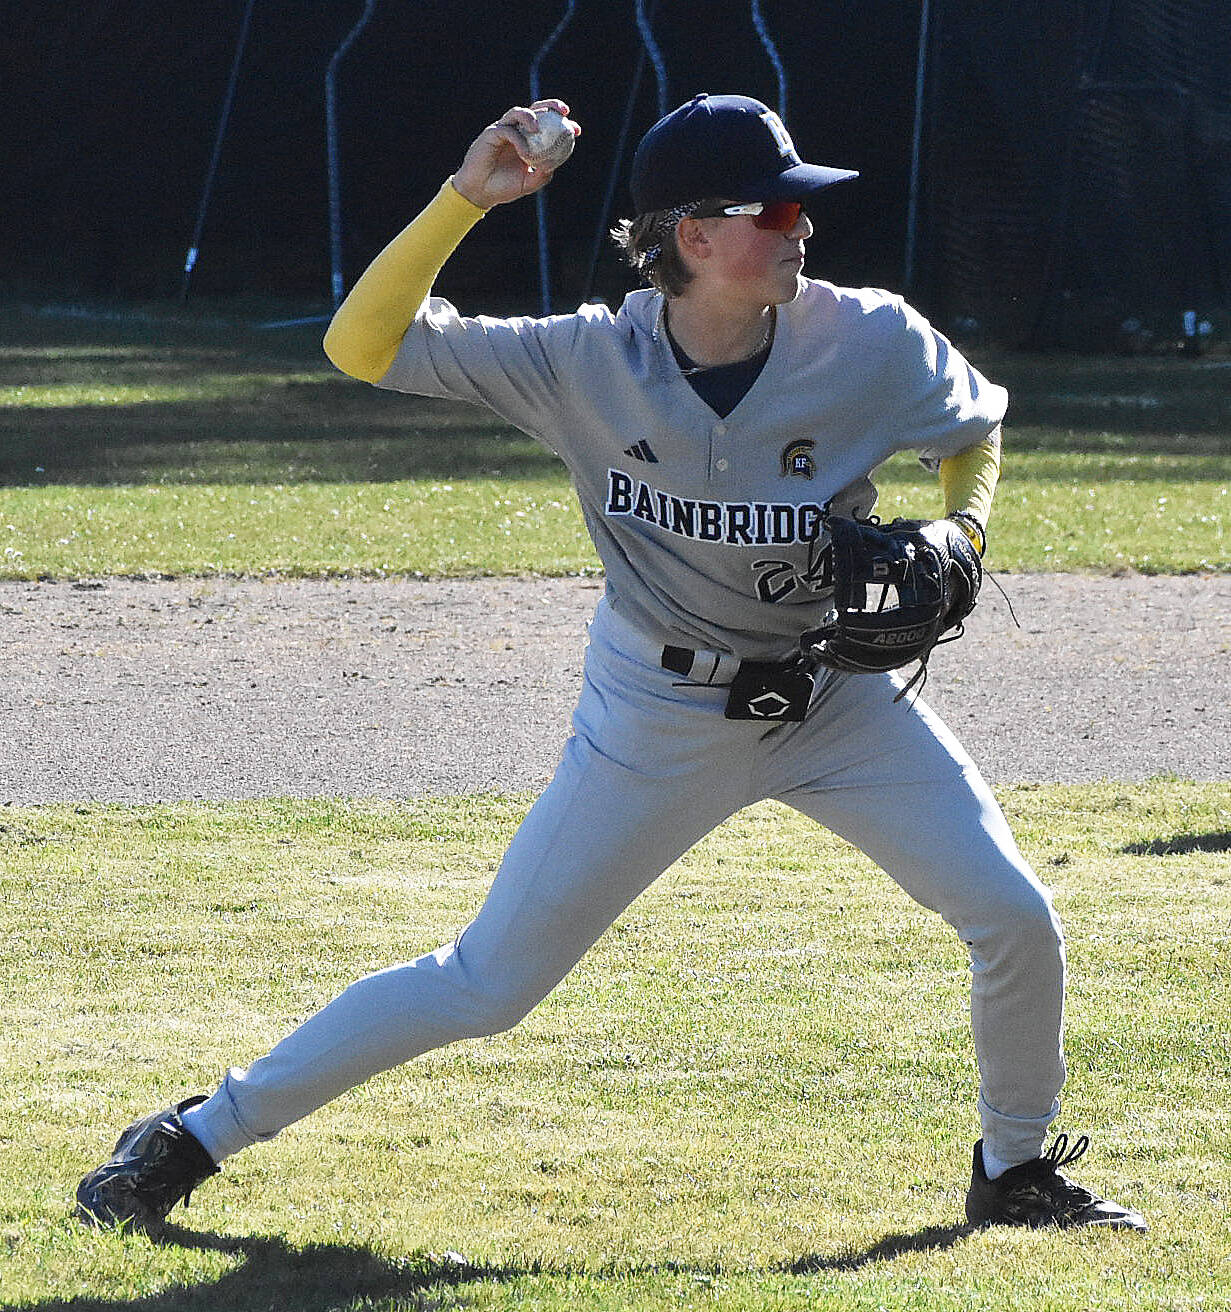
pixel 1036 1194
pixel 156 1163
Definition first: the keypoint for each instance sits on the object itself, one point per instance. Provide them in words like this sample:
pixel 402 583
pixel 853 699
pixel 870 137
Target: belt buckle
pixel 771 691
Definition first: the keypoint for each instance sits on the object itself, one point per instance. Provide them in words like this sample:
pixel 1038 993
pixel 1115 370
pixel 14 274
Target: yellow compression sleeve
pixel 968 479
pixel 364 336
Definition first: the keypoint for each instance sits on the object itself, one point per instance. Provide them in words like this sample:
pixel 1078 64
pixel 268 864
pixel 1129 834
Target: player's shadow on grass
pixel 275 1275
pixel 931 1239
pixel 1182 844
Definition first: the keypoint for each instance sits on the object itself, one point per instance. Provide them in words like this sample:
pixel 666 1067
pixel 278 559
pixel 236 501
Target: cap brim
pixel 804 179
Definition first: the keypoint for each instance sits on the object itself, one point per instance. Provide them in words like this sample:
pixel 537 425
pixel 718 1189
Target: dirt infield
pixel 124 690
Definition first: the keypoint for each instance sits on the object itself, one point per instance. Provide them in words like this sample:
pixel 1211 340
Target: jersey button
pixel 720 466
pixel 719 430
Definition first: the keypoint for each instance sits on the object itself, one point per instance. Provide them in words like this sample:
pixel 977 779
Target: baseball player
pixel 712 426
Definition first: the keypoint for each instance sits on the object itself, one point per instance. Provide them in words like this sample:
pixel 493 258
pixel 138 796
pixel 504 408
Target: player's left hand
pixel 963 565
pixel 493 171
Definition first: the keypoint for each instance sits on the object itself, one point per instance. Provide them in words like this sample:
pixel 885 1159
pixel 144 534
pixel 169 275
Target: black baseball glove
pixel 898 589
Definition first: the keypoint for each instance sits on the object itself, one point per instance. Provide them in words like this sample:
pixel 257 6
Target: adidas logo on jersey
pixel 641 451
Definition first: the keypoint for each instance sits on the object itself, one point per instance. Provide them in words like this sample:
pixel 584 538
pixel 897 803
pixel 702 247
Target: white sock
pixel 994 1166
pixel 198 1127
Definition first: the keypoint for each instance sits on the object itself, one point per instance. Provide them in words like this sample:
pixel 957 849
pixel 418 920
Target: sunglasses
pixel 769 215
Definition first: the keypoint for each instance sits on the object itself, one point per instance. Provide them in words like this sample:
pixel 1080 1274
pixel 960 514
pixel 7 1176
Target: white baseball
pixel 552 141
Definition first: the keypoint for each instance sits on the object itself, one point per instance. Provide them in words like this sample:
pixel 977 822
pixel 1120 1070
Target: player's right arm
pixel 365 333
pixel 363 338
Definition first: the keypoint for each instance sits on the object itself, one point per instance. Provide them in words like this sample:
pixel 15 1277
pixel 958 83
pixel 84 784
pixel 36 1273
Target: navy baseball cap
pixel 723 146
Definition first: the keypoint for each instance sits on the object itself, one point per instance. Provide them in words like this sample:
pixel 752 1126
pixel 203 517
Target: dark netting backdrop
pixel 1078 171
pixel 1073 186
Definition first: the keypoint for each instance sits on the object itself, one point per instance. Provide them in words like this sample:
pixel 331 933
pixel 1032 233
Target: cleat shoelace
pixel 1048 1182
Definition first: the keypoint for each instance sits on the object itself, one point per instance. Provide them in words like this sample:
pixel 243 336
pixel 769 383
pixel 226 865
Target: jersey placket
pixel 720 453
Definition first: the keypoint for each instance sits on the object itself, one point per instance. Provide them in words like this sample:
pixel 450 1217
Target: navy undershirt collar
pixel 724 386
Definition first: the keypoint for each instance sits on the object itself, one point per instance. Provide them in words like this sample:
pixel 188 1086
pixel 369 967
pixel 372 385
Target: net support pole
pixel 332 154
pixel 228 99
pixel 758 21
pixel 655 54
pixel 916 151
pixel 617 161
pixel 540 200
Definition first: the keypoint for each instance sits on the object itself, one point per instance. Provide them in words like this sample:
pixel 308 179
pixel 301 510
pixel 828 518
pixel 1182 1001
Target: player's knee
pixel 1035 921
pixel 499 1004
pixel 1019 917
pixel 488 999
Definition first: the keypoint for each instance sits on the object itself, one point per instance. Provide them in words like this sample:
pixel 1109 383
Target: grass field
pixel 131 448
pixel 736 1101
pixel 757 1092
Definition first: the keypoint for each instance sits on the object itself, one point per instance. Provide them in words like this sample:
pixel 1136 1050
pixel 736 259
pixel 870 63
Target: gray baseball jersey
pixel 710 529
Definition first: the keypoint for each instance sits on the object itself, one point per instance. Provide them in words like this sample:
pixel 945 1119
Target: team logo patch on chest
pixel 797 458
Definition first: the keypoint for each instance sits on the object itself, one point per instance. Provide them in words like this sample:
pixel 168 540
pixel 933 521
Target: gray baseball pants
pixel 650 769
